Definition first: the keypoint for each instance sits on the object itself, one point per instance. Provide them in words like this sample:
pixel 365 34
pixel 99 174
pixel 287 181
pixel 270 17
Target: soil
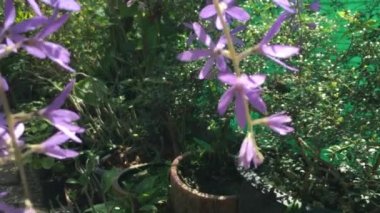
pixel 211 174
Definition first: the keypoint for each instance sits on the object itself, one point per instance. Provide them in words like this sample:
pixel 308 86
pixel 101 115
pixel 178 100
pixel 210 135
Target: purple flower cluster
pixel 30 35
pixel 244 89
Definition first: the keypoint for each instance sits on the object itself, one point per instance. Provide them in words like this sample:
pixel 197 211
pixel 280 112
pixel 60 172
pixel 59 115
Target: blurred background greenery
pixel 132 92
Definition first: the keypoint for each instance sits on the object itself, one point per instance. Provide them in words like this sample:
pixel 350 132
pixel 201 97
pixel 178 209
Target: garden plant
pixel 30 35
pixel 252 60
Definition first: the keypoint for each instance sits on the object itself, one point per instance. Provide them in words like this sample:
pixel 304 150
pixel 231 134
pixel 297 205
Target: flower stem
pixel 235 60
pixel 17 152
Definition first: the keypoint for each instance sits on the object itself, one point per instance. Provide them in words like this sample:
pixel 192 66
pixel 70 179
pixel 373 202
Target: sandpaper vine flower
pixel 229 10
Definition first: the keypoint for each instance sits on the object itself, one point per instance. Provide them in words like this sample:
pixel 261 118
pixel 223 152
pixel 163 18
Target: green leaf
pixel 47 163
pixel 148 208
pixel 72 181
pixel 203 145
pixel 91 91
pixel 108 178
pixel 99 208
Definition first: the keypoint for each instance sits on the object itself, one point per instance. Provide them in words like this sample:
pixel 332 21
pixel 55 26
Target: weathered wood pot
pixel 183 199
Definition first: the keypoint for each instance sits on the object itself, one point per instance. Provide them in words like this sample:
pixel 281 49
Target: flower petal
pixel 240 111
pixel 205 71
pixel 202 35
pixel 59 153
pixel 4 84
pixel 60 99
pixel 257 79
pixel 55 140
pixel 19 130
pixel 277 123
pixel 36 9
pixel 238 13
pixel 285 5
pixel 275 28
pixel 221 63
pixel 52 26
pixel 207 12
pixel 66 129
pixel 192 55
pixel 9 14
pixel 256 101
pixel 63 115
pixel 218 22
pixel 29 24
pixel 282 64
pixel 279 51
pixel 35 49
pixel 70 5
pixel 58 54
pixel 225 100
pixel 228 78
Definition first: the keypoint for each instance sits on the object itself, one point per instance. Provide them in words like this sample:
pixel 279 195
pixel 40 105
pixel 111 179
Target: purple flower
pixel 228 11
pixel 212 52
pixel 12 31
pixel 277 123
pixel 4 83
pixel 5 138
pixel 70 5
pixel 35 46
pixel 277 52
pixel 62 119
pixel 242 88
pixel 9 16
pixel 315 6
pixel 249 153
pixel 51 147
pixel 42 49
pixel 285 4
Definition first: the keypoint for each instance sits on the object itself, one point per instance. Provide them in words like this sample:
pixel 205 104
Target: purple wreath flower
pixel 10 30
pixel 212 52
pixel 70 5
pixel 35 46
pixel 228 11
pixel 42 49
pixel 62 119
pixel 286 5
pixel 51 147
pixel 4 83
pixel 277 52
pixel 277 123
pixel 242 87
pixel 249 153
pixel 5 137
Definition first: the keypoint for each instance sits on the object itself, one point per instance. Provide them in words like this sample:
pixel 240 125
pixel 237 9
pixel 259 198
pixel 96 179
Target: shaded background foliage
pixel 131 91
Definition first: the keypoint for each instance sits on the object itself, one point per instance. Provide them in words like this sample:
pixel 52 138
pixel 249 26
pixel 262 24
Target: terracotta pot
pixel 183 199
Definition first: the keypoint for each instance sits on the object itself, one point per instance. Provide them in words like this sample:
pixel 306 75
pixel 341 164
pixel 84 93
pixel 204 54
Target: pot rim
pixel 177 180
pixel 115 182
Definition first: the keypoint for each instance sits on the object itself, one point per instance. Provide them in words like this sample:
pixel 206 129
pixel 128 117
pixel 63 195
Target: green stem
pixel 17 152
pixel 235 61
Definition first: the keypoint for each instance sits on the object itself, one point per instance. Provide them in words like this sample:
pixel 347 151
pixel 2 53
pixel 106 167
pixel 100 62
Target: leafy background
pixel 132 92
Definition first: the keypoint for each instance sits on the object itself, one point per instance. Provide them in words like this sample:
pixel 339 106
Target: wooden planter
pixel 183 199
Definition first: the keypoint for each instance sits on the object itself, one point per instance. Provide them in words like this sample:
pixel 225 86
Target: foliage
pixel 132 91
pixel 334 103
